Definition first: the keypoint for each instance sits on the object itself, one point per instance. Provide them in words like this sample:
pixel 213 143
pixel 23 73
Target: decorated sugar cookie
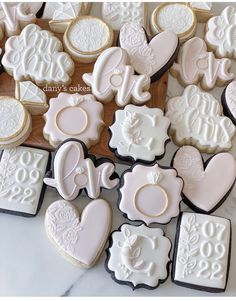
pixel 196 65
pixel 220 33
pixel 152 57
pixel 196 119
pixel 139 133
pixel 86 37
pixel 138 256
pixel 116 14
pixel 228 100
pixel 22 170
pixel 32 97
pixel 150 193
pixel 202 10
pixel 74 170
pixel 202 252
pixel 112 76
pixel 36 54
pixel 79 238
pixel 177 17
pixel 73 116
pixel 205 186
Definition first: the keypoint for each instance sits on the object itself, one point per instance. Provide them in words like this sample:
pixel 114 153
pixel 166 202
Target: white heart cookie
pixel 80 239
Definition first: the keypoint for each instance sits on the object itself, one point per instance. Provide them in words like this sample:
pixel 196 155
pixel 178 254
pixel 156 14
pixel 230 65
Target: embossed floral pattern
pixel 7 170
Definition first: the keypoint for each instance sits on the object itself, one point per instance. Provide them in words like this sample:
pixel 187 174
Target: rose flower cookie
pixel 202 252
pixel 112 76
pixel 36 54
pixel 177 17
pixel 73 116
pixel 150 193
pixel 86 37
pixel 228 100
pixel 196 119
pixel 138 256
pixel 79 238
pixel 74 170
pixel 205 186
pixel 139 133
pixel 152 57
pixel 196 65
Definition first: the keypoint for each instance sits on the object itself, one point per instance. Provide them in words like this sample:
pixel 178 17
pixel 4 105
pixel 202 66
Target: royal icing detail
pixel 150 193
pixel 74 170
pixel 37 54
pixel 116 14
pixel 112 76
pixel 229 101
pixel 147 57
pixel 84 113
pixel 79 238
pixel 21 179
pixel 202 10
pixel 220 34
pixel 196 118
pixel 202 251
pixel 195 64
pixel 139 256
pixel 205 186
pixel 139 132
pixel 205 6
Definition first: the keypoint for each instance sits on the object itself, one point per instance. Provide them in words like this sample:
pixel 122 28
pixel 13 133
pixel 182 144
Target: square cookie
pixel 22 170
pixel 202 252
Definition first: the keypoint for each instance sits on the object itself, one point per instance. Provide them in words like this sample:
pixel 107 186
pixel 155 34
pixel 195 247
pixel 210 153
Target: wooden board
pixel 7 87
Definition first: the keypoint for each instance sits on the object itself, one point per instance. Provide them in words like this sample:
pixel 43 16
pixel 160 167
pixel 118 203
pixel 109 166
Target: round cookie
pixel 228 100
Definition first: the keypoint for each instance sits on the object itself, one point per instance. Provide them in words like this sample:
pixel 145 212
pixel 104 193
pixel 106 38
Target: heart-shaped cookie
pixel 228 100
pixel 206 185
pixel 79 239
pixel 153 57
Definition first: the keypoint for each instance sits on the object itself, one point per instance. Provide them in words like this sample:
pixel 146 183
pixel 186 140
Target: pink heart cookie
pixel 206 185
pixel 80 239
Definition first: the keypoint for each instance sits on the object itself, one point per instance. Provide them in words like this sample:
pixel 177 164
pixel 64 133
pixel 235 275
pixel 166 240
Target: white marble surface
pixel 30 265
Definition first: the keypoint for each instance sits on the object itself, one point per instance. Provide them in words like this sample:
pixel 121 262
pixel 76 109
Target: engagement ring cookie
pixel 36 54
pixel 112 76
pixel 196 119
pixel 22 170
pixel 205 186
pixel 139 133
pixel 202 10
pixel 202 252
pixel 150 193
pixel 79 238
pixel 73 116
pixel 228 100
pixel 138 256
pixel 152 57
pixel 86 37
pixel 74 170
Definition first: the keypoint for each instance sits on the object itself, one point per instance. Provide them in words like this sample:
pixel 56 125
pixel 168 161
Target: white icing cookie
pixel 112 76
pixel 139 133
pixel 15 122
pixel 220 33
pixel 85 116
pixel 176 17
pixel 202 10
pixel 206 186
pixel 86 37
pixel 138 256
pixel 74 170
pixel 79 238
pixel 150 194
pixel 36 54
pixel 21 180
pixel 152 58
pixel 32 97
pixel 196 119
pixel 202 252
pixel 228 100
pixel 196 65
pixel 116 14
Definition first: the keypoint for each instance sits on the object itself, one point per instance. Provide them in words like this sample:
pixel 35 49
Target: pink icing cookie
pixel 206 186
pixel 85 116
pixel 150 193
pixel 112 76
pixel 80 239
pixel 196 65
pixel 228 100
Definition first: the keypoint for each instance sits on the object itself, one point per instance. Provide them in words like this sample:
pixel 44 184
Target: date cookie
pixel 228 100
